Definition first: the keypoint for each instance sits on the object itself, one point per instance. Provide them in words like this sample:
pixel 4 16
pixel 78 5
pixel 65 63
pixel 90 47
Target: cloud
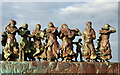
pixel 90 8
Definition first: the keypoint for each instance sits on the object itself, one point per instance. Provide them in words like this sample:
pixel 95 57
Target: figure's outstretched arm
pixel 77 32
pixel 81 45
pixel 74 42
pixel 112 29
pixel 60 34
pixel 94 34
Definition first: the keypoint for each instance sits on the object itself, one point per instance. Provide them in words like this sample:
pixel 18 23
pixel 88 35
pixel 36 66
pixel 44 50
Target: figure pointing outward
pixel 88 37
pixel 105 50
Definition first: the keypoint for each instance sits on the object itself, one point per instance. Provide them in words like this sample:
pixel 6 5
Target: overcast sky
pixel 74 14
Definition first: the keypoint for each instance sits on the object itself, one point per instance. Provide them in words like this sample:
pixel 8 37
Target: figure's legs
pixel 23 57
pixel 56 60
pixel 76 56
pixel 65 59
pixel 3 55
pixel 81 60
pixel 87 60
pixel 38 59
pixel 92 60
pixel 20 55
pixel 70 59
pixel 33 59
pixel 44 59
pixel 8 59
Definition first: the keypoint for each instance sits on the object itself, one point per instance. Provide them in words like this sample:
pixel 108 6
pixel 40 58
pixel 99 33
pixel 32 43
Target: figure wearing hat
pixel 104 49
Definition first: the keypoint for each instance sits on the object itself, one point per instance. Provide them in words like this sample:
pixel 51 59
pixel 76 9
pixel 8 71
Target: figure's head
pixel 12 22
pixel 89 24
pixel 25 25
pixel 80 40
pixel 64 26
pixel 50 24
pixel 38 26
pixel 106 26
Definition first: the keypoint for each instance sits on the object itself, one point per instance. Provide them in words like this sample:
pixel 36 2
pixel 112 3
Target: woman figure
pixel 38 35
pixel 10 50
pixel 67 36
pixel 105 50
pixel 53 46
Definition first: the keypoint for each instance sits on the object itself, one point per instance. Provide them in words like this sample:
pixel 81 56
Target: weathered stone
pixel 119 69
pixel 58 67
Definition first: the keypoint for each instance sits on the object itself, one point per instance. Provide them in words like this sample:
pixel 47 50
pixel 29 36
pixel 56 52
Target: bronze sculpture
pixel 78 49
pixel 53 47
pixel 88 37
pixel 51 50
pixel 10 51
pixel 67 37
pixel 104 48
pixel 37 35
pixel 24 44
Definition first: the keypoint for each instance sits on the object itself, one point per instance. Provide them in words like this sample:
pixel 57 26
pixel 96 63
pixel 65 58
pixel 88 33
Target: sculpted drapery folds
pixel 10 50
pixel 53 47
pixel 88 37
pixel 104 49
pixel 67 36
pixel 38 35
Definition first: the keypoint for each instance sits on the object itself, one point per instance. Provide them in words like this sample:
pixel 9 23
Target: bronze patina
pixel 43 44
pixel 88 37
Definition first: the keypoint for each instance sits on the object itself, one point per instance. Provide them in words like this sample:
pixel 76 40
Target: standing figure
pixel 78 49
pixel 53 45
pixel 24 43
pixel 88 37
pixel 104 49
pixel 37 35
pixel 10 51
pixel 67 37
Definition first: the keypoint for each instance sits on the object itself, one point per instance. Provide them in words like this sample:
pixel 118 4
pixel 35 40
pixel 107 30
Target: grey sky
pixel 74 14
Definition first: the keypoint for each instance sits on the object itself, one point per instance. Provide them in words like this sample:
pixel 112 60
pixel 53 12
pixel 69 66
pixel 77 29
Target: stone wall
pixel 36 67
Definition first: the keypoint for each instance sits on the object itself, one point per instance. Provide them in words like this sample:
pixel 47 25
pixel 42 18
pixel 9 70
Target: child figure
pixel 78 49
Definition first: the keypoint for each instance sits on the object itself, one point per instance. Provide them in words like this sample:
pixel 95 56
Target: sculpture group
pixel 50 49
